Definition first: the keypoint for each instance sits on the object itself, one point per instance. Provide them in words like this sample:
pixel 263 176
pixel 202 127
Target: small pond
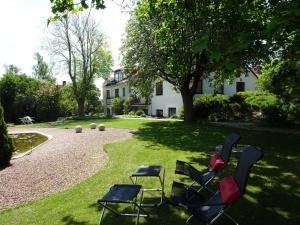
pixel 26 141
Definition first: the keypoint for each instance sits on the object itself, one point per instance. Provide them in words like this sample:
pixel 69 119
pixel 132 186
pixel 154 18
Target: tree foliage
pixel 41 70
pixel 26 96
pixel 77 42
pixel 12 69
pixel 184 41
pixel 6 145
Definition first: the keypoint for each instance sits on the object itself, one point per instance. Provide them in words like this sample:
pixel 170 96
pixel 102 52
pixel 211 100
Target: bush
pixel 117 106
pixel 6 146
pixel 140 112
pixel 127 105
pixel 207 104
pixel 131 113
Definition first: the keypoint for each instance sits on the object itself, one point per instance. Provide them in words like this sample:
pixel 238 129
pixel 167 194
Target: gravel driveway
pixel 58 164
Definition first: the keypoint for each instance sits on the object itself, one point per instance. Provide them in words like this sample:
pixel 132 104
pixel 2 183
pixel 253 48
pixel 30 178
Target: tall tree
pixel 185 41
pixel 78 43
pixel 41 70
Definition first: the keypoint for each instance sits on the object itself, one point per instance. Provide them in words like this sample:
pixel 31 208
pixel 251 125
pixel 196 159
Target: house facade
pixel 118 86
pixel 165 100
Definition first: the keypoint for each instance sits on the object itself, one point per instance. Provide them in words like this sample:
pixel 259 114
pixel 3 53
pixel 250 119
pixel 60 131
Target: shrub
pixel 139 112
pixel 174 116
pixel 207 104
pixel 117 106
pixel 131 113
pixel 127 105
pixel 6 146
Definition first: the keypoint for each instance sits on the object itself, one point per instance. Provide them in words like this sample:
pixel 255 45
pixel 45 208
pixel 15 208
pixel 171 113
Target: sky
pixel 22 23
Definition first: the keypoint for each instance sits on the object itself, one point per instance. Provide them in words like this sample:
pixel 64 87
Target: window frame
pixel 157 85
pixel 237 89
pixel 117 94
pixel 107 94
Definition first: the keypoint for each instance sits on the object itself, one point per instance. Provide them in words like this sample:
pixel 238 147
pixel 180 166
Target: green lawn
pixel 273 194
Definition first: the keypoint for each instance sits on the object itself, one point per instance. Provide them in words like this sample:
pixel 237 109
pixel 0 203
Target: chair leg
pixel 229 217
pixel 188 219
pixel 102 214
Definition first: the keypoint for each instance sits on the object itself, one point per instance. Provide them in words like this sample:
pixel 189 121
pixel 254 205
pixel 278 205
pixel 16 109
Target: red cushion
pixel 216 162
pixel 229 190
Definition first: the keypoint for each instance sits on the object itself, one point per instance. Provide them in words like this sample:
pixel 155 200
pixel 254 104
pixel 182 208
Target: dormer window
pixel 118 75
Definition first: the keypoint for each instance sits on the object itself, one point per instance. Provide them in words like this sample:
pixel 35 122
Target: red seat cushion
pixel 216 162
pixel 229 190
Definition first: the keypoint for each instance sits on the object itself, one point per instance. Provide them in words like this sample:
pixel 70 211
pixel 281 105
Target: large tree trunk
pixel 80 103
pixel 187 99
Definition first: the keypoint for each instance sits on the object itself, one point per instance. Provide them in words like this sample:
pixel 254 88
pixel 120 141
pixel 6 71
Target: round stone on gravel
pixel 101 127
pixel 78 129
pixel 93 126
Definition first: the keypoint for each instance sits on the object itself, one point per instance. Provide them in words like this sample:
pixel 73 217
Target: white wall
pixel 250 84
pixel 173 99
pixel 169 99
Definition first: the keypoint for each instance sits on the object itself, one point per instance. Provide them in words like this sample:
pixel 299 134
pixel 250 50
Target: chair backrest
pixel 249 156
pixel 229 142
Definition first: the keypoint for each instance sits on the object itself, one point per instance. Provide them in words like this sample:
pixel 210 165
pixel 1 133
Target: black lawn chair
pixel 123 194
pixel 204 177
pixel 230 189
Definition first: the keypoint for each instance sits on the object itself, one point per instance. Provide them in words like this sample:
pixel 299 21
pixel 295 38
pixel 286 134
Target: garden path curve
pixel 58 164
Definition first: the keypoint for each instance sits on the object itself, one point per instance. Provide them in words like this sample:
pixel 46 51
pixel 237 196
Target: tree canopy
pixel 77 42
pixel 41 70
pixel 185 41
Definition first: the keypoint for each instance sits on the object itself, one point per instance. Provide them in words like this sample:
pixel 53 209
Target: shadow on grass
pixel 69 220
pixel 273 193
pixel 165 214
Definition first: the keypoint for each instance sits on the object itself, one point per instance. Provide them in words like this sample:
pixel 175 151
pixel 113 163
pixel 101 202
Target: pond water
pixel 26 141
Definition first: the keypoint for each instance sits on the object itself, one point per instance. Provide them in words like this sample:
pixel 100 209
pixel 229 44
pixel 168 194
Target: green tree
pixel 67 102
pixel 185 41
pixel 282 75
pixel 12 69
pixel 93 103
pixel 41 70
pixel 6 146
pixel 18 96
pixel 47 102
pixel 60 8
pixel 78 43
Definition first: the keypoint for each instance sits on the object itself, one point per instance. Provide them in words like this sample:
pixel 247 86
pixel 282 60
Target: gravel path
pixel 58 164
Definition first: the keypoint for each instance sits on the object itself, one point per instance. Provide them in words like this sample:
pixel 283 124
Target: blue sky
pixel 22 23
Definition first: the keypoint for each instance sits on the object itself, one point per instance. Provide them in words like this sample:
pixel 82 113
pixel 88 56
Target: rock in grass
pixel 101 127
pixel 78 129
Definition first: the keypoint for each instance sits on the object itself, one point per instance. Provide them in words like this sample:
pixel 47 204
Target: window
pixel 123 91
pixel 159 113
pixel 118 75
pixel 240 86
pixel 199 89
pixel 107 94
pixel 116 93
pixel 220 90
pixel 159 88
pixel 171 112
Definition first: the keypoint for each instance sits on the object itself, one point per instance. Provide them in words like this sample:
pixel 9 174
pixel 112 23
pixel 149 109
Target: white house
pixel 118 86
pixel 165 100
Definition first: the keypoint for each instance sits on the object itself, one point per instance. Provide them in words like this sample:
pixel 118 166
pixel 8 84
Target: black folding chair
pixel 123 193
pixel 206 176
pixel 207 210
